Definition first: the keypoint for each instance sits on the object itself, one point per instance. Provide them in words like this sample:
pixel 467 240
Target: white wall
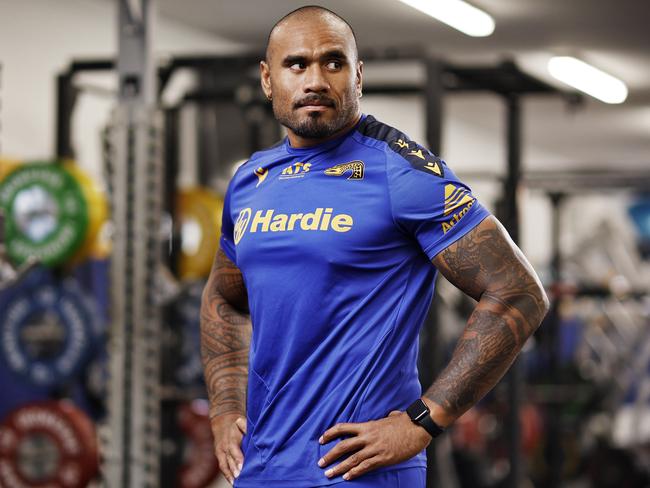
pixel 38 39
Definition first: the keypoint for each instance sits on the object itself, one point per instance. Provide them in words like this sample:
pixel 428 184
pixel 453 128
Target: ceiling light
pixel 588 79
pixel 457 14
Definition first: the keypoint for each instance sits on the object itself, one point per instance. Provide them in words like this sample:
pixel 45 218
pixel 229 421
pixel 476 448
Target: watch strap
pixel 430 426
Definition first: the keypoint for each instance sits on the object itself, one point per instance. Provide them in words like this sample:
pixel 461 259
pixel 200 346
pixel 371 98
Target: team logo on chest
pixel 356 169
pixel 295 170
pixel 241 224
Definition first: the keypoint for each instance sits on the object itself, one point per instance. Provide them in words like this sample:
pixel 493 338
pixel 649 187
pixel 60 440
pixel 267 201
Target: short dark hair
pixel 307 9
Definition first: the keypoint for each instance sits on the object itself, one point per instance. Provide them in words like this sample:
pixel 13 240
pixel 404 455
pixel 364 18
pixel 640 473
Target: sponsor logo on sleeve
pixel 458 201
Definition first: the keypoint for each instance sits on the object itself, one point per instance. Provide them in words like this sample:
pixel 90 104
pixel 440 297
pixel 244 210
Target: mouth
pixel 318 105
pixel 316 108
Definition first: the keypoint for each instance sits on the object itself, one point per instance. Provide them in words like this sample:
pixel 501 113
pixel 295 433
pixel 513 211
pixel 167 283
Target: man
pixel 331 243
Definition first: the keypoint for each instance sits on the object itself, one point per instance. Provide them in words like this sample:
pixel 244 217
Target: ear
pixel 265 79
pixel 359 78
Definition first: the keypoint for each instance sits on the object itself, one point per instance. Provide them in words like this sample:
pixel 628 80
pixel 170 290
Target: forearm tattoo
pixel 225 338
pixel 489 267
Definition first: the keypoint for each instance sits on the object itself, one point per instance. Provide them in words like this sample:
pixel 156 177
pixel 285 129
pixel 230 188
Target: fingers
pixel 224 466
pixel 360 461
pixel 338 430
pixel 347 445
pixel 228 451
pixel 394 412
pixel 241 424
pixel 237 457
pixel 362 468
pixel 232 466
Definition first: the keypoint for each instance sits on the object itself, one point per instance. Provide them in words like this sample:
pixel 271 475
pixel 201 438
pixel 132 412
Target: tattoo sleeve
pixel 488 266
pixel 225 338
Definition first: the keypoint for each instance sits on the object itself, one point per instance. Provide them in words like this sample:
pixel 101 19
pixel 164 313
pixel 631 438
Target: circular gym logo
pixel 242 224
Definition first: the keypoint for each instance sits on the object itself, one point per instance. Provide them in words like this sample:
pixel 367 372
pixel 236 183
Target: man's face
pixel 313 76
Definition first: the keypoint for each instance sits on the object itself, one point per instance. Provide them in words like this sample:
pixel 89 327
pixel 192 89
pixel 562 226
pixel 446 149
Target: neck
pixel 299 142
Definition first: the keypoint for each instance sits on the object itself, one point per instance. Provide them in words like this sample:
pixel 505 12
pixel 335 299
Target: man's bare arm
pixel 488 266
pixel 225 338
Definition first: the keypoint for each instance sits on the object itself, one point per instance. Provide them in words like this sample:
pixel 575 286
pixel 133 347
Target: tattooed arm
pixel 489 267
pixel 225 337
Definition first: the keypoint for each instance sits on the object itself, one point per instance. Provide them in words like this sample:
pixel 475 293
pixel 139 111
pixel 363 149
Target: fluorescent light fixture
pixel 457 14
pixel 588 79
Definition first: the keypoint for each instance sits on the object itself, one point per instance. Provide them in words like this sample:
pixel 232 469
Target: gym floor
pixel 122 123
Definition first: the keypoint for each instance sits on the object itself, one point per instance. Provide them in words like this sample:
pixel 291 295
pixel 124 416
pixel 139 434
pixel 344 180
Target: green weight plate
pixel 46 215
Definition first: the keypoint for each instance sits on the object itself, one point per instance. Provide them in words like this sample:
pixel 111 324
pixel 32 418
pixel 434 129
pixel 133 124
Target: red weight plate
pixel 42 446
pixel 200 467
pixel 85 428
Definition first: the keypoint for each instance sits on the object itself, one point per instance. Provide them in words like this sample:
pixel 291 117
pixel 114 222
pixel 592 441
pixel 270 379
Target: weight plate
pixel 46 215
pixel 97 211
pixel 187 310
pixel 47 331
pixel 6 166
pixel 199 468
pixel 199 211
pixel 47 444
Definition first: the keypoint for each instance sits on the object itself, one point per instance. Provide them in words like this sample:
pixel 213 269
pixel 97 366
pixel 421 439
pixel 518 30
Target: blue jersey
pixel 335 243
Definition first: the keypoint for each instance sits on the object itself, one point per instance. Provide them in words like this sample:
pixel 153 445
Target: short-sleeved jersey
pixel 335 243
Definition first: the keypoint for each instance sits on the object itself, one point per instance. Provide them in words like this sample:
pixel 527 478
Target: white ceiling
pixel 611 34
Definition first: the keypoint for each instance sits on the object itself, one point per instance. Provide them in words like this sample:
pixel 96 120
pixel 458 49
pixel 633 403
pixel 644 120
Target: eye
pixel 334 65
pixel 298 66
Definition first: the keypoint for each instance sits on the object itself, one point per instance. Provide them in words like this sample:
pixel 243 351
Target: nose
pixel 315 80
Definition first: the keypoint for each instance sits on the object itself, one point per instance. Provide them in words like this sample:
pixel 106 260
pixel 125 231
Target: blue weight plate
pixel 48 331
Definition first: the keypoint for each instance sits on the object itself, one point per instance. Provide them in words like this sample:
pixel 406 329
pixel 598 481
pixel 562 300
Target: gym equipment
pixel 640 214
pixel 133 159
pixel 47 444
pixel 6 166
pixel 200 467
pixel 199 211
pixel 46 214
pixel 47 329
pixel 186 313
pixel 97 211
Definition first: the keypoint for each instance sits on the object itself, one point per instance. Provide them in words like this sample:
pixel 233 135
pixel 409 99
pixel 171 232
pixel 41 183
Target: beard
pixel 315 125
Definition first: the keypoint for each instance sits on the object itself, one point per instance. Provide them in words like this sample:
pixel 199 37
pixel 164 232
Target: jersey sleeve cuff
pixel 474 217
pixel 228 249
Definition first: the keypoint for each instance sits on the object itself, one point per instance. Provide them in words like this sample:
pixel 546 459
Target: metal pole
pixel 434 93
pixel 65 101
pixel 552 333
pixel 430 346
pixel 135 174
pixel 510 219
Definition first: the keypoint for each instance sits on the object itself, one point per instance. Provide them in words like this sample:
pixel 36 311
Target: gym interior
pixel 121 125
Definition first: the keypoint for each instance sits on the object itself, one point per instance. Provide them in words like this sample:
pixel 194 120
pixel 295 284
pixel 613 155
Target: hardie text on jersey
pixel 322 219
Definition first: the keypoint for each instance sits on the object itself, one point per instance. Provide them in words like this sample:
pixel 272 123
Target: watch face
pixel 417 410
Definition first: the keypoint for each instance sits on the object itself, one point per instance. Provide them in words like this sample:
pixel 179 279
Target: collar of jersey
pixel 323 146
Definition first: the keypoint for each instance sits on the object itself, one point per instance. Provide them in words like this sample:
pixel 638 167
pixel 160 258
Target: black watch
pixel 420 415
